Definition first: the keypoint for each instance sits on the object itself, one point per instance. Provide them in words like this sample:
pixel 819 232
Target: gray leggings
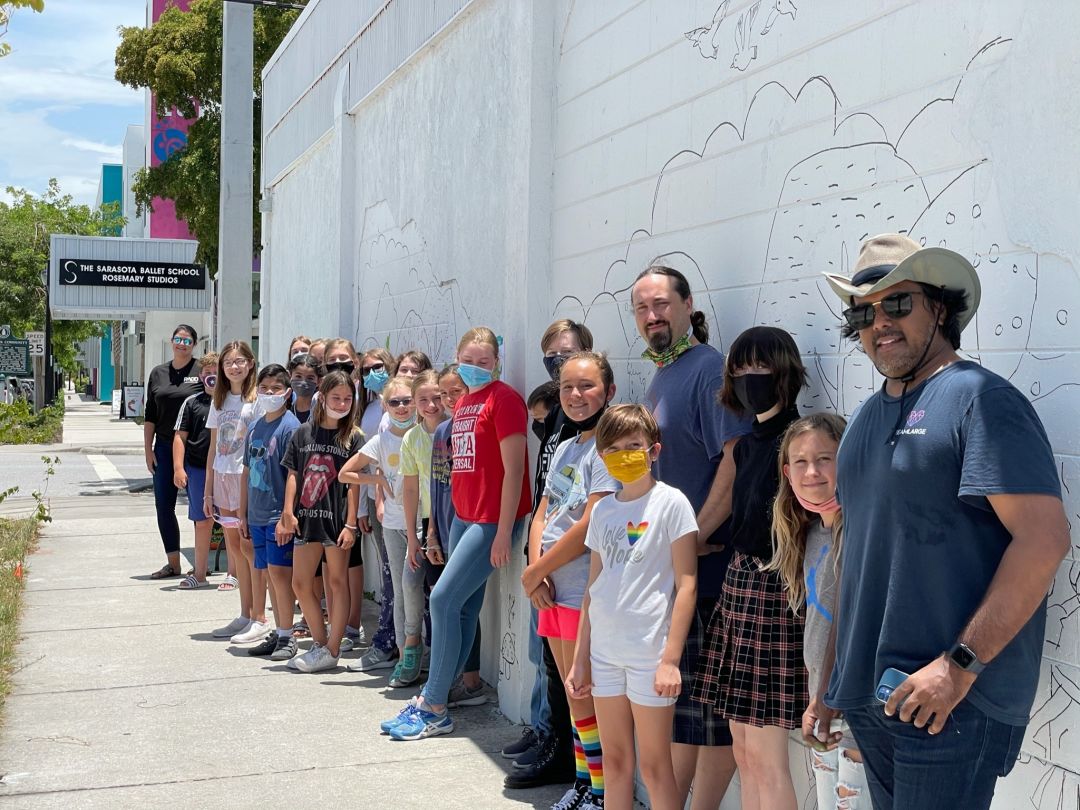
pixel 408 587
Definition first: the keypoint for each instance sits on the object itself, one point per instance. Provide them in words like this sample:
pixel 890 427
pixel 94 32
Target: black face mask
pixel 342 365
pixel 756 392
pixel 553 364
pixel 538 428
pixel 590 422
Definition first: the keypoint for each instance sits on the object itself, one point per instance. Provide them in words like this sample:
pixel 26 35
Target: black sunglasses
pixel 399 403
pixel 373 367
pixel 897 305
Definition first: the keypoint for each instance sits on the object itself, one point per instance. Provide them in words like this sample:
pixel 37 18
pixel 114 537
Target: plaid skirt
pixel 751 667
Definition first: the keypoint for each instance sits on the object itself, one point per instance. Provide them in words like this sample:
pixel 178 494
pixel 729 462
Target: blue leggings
pixel 165 496
pixel 456 601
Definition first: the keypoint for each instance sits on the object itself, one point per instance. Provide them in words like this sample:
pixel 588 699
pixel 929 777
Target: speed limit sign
pixel 37 343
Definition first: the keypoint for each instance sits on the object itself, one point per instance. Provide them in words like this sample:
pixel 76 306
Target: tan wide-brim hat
pixel 890 258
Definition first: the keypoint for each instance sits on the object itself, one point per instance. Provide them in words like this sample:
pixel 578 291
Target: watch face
pixel 963 656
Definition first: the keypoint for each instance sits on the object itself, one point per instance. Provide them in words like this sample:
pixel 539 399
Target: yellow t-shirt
pixel 416 460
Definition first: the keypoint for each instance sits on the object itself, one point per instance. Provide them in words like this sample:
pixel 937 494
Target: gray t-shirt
pixel 576 472
pixel 819 573
pixel 921 541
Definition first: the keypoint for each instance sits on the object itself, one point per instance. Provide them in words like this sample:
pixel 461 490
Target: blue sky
pixel 62 114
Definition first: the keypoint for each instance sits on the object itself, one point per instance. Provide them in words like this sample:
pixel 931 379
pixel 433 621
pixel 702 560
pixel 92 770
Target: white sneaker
pixel 346 645
pixel 237 625
pixel 357 634
pixel 256 631
pixel 316 659
pixel 374 659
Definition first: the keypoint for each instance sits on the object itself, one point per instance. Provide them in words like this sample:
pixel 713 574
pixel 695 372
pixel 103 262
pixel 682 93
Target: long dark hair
pixel 682 288
pixel 346 425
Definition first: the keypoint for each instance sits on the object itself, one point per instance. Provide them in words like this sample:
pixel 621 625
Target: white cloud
pixel 110 153
pixel 52 86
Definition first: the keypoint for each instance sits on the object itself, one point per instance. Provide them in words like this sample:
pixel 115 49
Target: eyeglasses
pixel 399 403
pixel 897 305
pixel 238 362
pixel 210 380
pixel 374 367
pixel 182 341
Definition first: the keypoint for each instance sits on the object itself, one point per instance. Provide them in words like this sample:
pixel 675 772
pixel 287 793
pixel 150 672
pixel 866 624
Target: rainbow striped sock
pixel 581 764
pixel 587 732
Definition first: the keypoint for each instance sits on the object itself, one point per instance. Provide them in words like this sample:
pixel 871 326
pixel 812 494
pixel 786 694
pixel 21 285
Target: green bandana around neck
pixel 669 355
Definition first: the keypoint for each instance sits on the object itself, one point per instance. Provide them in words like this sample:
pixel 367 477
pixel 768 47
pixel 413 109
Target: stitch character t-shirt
pixel 266 445
pixel 630 601
pixel 317 458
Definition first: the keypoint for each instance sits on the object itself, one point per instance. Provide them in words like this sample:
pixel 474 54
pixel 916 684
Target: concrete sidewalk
pixel 122 699
pixel 90 426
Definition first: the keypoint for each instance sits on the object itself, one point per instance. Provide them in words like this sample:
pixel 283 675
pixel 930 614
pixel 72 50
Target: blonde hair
pixel 481 335
pixel 622 420
pixel 394 383
pixel 208 359
pixel 429 377
pixel 790 520
pixel 247 390
pixel 334 343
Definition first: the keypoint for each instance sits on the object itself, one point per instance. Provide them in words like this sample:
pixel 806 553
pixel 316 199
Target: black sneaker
pixel 527 740
pixel 553 766
pixel 266 646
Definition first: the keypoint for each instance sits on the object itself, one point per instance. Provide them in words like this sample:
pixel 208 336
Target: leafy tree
pixel 26 223
pixel 5 17
pixel 179 60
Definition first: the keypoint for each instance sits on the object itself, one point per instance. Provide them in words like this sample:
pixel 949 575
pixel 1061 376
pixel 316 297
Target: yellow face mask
pixel 627 466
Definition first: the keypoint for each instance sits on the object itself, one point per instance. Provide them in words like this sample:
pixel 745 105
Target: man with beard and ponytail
pixel 953 531
pixel 549 731
pixel 699 436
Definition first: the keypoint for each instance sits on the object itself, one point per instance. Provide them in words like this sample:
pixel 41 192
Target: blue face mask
pixel 375 380
pixel 474 376
pixel 402 424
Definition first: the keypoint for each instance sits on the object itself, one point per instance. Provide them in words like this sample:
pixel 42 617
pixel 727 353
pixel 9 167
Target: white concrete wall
pixel 752 145
pixel 134 158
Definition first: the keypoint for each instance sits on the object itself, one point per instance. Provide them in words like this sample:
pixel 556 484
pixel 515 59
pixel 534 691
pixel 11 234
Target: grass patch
pixel 17 540
pixel 20 425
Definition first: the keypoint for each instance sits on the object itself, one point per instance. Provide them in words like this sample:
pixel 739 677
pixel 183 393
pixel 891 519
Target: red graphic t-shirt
pixel 481 421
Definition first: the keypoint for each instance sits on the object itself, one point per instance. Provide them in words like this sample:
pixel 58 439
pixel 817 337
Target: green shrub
pixel 20 425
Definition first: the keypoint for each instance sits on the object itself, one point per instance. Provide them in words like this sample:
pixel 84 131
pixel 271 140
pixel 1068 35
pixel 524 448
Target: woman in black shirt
pixel 751 669
pixel 166 389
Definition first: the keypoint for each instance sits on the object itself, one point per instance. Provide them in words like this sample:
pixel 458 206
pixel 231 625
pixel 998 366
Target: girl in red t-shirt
pixel 490 490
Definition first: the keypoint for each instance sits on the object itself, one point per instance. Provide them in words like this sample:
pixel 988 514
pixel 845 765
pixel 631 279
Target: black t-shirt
pixel 192 420
pixel 166 390
pixel 316 457
pixel 757 479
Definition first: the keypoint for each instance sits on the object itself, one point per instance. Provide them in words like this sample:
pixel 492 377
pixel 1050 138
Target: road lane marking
pixel 107 471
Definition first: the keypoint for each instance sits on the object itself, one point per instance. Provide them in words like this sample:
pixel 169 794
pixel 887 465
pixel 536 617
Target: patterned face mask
pixel 670 354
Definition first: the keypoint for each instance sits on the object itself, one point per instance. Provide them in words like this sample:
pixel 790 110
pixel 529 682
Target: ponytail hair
pixel 699 327
pixel 681 287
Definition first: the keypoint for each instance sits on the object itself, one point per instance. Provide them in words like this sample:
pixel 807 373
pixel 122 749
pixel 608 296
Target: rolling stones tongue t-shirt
pixel 316 457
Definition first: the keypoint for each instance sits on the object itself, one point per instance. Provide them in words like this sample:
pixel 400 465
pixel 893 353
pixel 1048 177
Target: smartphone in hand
pixel 890 679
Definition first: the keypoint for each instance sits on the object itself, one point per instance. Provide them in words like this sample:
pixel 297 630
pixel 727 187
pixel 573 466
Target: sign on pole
pixel 14 357
pixel 37 343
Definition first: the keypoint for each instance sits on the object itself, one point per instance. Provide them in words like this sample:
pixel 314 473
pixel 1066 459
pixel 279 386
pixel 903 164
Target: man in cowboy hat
pixel 953 531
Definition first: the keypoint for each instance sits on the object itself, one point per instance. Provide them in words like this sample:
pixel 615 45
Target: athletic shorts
pixel 227 491
pixel 558 622
pixel 262 537
pixel 196 487
pixel 303 541
pixel 615 680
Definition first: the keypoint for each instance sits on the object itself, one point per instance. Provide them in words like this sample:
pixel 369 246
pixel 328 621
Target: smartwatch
pixel 965 658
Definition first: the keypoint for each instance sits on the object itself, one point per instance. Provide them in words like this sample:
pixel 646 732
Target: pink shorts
pixel 558 622
pixel 227 491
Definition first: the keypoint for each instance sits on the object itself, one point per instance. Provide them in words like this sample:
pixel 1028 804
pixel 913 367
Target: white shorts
pixel 616 680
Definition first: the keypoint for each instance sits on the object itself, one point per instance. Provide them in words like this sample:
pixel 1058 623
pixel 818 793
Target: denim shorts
pixel 262 537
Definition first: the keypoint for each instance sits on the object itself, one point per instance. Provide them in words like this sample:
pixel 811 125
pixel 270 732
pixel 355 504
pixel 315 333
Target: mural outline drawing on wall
pixel 508 643
pixel 707 40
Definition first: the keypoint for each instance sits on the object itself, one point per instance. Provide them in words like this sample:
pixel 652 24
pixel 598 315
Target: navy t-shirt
pixel 921 542
pixel 442 505
pixel 264 450
pixel 693 430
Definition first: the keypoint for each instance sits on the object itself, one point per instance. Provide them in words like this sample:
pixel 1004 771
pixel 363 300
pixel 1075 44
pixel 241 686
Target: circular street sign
pixel 5 332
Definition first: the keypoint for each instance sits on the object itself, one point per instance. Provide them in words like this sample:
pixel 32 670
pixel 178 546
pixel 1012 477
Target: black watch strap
pixel 965 658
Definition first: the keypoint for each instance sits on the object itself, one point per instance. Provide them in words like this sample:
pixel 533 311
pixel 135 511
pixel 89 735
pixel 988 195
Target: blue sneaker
pixel 386 726
pixel 422 723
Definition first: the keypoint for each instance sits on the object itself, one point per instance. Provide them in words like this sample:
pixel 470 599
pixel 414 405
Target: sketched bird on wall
pixel 707 39
pixel 745 53
pixel 780 8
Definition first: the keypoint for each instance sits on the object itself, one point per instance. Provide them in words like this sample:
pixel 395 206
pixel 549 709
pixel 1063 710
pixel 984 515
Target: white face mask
pixel 271 402
pixel 335 414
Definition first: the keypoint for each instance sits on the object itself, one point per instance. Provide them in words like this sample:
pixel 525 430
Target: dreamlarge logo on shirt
pixel 913 419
